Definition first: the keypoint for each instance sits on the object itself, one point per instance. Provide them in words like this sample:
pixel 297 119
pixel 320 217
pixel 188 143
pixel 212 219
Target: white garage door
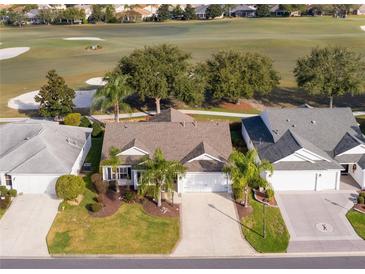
pixel 303 180
pixel 35 183
pixel 205 182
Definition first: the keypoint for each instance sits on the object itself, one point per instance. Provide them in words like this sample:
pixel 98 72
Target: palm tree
pixel 114 93
pixel 244 169
pixel 159 175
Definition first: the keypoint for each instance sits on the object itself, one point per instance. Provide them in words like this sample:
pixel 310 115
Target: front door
pixel 346 171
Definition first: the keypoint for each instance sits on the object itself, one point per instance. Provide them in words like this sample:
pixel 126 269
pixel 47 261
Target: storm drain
pixel 324 227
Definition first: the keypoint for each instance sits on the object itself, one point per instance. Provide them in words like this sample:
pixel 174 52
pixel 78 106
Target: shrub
pixel 100 199
pixel 97 129
pixel 238 193
pixel 96 177
pixel 362 194
pixel 96 207
pixel 129 196
pixel 4 204
pixel 68 187
pixel 101 186
pixel 269 193
pixel 3 191
pixel 85 122
pixel 72 119
pixel 12 192
pixel 361 200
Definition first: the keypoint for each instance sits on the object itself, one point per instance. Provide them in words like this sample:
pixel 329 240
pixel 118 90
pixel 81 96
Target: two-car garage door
pixel 203 182
pixel 35 183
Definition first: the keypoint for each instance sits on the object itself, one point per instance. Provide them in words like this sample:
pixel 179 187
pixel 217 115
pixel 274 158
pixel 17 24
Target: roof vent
pixel 26 138
pixel 293 125
pixel 313 122
pixel 288 120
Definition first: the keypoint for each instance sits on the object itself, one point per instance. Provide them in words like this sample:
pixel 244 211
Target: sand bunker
pixel 8 53
pixel 83 38
pixel 363 28
pixel 26 101
pixel 96 81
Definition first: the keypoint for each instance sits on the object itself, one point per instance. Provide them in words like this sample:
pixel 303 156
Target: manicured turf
pixel 129 231
pixel 283 39
pixel 277 236
pixel 357 220
pixel 2 212
pixel 94 154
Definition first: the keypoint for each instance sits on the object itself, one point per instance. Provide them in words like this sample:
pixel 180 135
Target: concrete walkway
pixel 210 227
pixel 24 226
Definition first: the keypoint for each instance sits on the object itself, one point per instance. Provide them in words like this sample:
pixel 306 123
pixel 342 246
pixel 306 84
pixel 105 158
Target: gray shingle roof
pixel 347 142
pixel 304 165
pixel 171 115
pixel 40 147
pixel 361 162
pixel 348 158
pixel 176 140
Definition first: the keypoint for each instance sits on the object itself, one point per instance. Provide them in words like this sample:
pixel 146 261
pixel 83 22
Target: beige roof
pixel 171 115
pixel 178 141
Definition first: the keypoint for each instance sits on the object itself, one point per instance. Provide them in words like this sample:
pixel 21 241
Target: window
pixel 123 173
pixel 119 173
pixel 8 180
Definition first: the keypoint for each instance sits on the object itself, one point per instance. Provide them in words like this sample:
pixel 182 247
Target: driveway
pixel 210 227
pixel 24 227
pixel 317 223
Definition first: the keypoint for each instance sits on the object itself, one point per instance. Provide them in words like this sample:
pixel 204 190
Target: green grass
pixel 202 117
pixel 2 212
pixel 94 154
pixel 129 231
pixel 361 120
pixel 283 39
pixel 357 221
pixel 277 235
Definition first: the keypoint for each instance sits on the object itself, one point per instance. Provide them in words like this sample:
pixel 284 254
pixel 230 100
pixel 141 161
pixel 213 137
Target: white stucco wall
pixel 285 180
pixel 81 158
pixel 358 174
pixel 36 183
pixel 360 149
pixel 203 182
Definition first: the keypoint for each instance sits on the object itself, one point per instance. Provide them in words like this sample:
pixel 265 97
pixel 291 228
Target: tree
pixel 163 13
pixel 189 12
pixel 68 187
pixel 16 18
pixel 177 12
pixel 262 10
pixel 331 71
pixel 109 14
pixel 72 119
pixel 153 71
pixel 97 13
pixel 235 74
pixel 114 93
pixel 244 169
pixel 159 174
pixel 227 9
pixel 47 16
pixel 214 11
pixel 55 97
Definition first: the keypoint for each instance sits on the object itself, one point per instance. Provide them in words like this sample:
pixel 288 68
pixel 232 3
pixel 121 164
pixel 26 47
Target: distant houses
pixel 243 11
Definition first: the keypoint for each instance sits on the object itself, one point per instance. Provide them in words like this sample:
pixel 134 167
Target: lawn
pixel 129 231
pixel 94 154
pixel 357 221
pixel 2 212
pixel 277 235
pixel 283 39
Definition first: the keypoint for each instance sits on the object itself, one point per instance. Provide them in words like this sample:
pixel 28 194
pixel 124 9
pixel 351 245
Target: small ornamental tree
pixel 55 97
pixel 68 187
pixel 97 129
pixel 263 10
pixel 163 12
pixel 189 12
pixel 214 11
pixel 72 119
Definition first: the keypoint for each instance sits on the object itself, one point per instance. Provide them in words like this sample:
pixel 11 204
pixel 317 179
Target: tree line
pixel 165 71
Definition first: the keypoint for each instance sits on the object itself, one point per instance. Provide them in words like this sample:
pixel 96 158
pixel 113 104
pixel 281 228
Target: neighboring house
pixel 200 12
pixel 360 10
pixel 276 11
pixel 202 147
pixel 33 154
pixel 32 16
pixel 134 15
pixel 310 148
pixel 243 11
pixel 87 9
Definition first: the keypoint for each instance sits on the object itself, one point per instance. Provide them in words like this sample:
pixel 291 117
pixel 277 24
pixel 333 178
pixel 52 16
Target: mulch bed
pixel 110 206
pixel 166 210
pixel 242 210
pixel 261 197
pixel 360 208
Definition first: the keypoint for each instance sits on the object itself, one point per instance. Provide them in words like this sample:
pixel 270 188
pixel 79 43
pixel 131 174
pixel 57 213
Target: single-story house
pixel 133 15
pixel 360 10
pixel 34 153
pixel 200 12
pixel 243 11
pixel 310 148
pixel 202 147
pixel 276 11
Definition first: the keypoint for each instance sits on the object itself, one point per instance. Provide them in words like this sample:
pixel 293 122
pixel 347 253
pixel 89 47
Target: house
pixel 276 11
pixel 134 15
pixel 202 147
pixel 200 12
pixel 310 148
pixel 243 11
pixel 33 154
pixel 86 8
pixel 360 10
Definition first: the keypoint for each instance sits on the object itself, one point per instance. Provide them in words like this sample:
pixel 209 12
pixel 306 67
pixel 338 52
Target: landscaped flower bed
pixel 262 198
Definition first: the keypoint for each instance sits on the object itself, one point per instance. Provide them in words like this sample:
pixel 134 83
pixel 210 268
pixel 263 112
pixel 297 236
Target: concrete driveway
pixel 210 227
pixel 317 223
pixel 24 227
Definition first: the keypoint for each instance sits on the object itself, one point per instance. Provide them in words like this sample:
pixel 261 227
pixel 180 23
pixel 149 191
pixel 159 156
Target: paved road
pixel 210 227
pixel 340 262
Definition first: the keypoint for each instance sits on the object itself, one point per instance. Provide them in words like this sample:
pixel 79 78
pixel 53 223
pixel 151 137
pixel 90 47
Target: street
pixel 333 262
